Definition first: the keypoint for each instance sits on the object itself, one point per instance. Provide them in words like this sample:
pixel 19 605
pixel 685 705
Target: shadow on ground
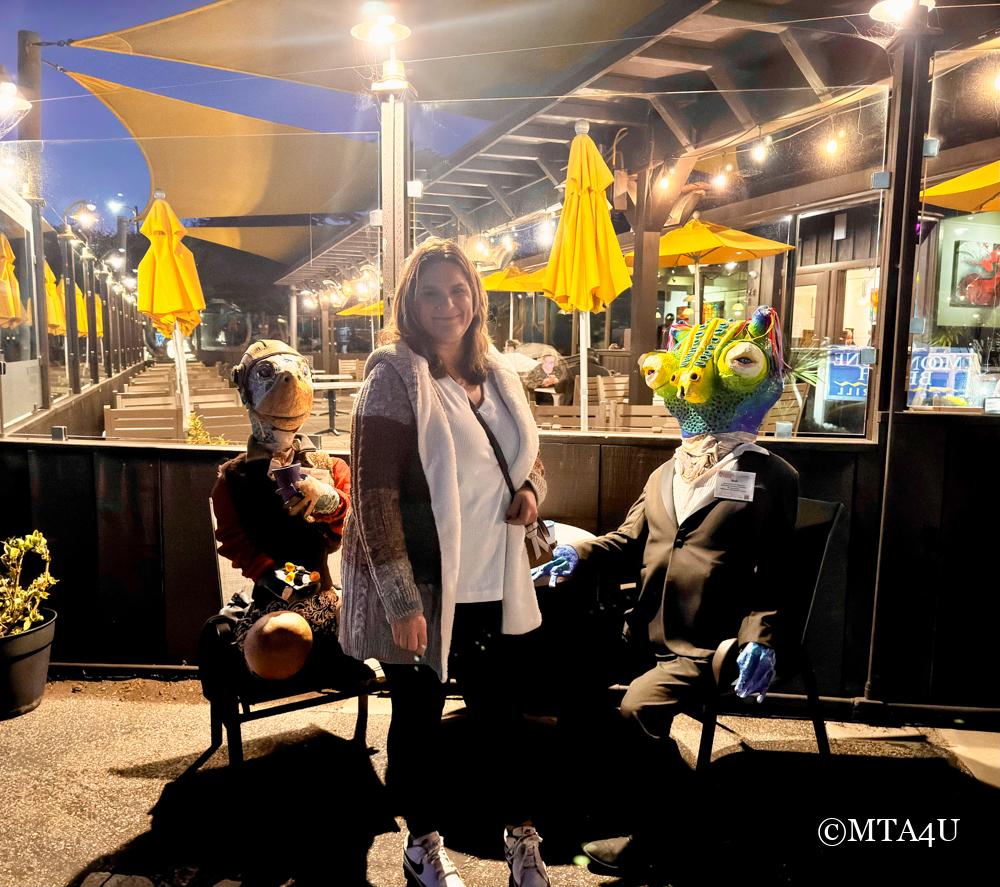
pixel 306 807
pixel 310 806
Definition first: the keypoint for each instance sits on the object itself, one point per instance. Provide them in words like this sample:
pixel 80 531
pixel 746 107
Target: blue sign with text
pixel 846 377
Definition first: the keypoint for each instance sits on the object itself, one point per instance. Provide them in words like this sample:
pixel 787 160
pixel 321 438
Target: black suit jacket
pixel 721 573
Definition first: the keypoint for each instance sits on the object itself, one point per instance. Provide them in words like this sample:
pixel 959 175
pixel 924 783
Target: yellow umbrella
pixel 55 307
pixel 81 307
pixel 169 288
pixel 586 270
pixel 513 280
pixel 11 309
pixel 974 192
pixel 364 309
pixel 700 242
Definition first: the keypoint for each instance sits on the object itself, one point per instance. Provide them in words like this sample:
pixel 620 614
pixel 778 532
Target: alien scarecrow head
pixel 723 376
pixel 275 385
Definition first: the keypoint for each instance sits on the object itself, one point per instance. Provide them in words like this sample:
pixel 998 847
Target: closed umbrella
pixel 169 289
pixel 586 270
pixel 55 306
pixel 11 309
pixel 974 192
pixel 700 242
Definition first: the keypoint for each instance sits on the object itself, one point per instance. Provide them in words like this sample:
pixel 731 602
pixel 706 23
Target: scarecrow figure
pixel 280 509
pixel 709 537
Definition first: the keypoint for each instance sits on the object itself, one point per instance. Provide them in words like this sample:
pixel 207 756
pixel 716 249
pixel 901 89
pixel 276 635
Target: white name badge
pixel 736 485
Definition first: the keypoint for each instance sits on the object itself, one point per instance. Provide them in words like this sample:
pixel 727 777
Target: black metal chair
pixel 237 696
pixel 813 531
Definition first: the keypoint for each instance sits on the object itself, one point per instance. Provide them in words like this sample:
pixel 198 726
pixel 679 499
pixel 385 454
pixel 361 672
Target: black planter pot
pixel 24 666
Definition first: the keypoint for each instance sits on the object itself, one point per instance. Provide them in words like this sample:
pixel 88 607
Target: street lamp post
pixel 394 146
pixel 89 293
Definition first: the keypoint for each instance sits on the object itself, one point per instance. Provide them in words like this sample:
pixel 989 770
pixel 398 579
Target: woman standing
pixel 435 571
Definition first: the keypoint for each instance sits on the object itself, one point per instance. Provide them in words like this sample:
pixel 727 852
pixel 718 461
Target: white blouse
pixel 483 494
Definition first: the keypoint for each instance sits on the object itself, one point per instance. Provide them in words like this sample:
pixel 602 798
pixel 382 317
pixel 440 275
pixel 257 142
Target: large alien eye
pixel 265 370
pixel 746 359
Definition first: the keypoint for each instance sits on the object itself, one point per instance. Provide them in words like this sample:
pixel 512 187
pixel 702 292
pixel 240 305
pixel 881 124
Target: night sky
pixel 89 155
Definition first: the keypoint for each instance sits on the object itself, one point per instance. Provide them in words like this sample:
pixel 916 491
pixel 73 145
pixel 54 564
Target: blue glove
pixel 756 664
pixel 563 563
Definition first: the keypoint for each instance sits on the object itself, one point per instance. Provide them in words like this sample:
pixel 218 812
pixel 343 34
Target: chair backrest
pixel 813 530
pixel 153 422
pixel 567 416
pixel 592 394
pixel 228 420
pixel 350 365
pixel 654 418
pixel 612 388
pixel 789 408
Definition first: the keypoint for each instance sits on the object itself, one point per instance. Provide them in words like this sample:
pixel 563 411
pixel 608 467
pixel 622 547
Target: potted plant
pixel 26 629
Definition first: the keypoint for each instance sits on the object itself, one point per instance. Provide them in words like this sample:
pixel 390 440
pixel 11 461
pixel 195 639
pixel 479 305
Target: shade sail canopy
pixel 512 280
pixel 169 288
pixel 704 242
pixel 310 42
pixel 218 163
pixel 280 244
pixel 586 270
pixel 974 192
pixel 364 309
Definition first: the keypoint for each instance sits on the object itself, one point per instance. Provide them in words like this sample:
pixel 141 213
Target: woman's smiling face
pixel 443 302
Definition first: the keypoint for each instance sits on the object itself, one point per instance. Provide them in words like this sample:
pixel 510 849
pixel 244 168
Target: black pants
pixel 485 665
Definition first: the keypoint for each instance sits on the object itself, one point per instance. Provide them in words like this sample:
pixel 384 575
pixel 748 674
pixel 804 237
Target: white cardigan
pixel 437 456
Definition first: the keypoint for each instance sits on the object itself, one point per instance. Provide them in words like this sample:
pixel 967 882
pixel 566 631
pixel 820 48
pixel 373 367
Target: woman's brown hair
pixel 405 327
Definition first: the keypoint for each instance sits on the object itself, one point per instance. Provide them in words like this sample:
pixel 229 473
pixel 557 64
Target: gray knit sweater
pixel 391 554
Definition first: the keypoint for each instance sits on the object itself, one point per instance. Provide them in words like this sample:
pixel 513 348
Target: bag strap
pixel 495 445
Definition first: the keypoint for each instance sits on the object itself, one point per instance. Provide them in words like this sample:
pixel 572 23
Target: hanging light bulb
pixel 895 12
pixel 720 180
pixel 832 146
pixel 546 233
pixel 482 247
pixel 759 152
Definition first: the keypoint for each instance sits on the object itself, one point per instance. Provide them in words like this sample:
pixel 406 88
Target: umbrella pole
pixel 510 324
pixel 697 294
pixel 182 379
pixel 584 387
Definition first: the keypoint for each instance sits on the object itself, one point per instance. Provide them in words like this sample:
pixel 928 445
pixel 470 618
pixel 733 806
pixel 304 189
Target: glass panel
pixel 955 343
pixel 804 315
pixel 21 383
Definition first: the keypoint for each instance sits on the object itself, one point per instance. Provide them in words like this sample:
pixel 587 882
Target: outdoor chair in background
pixel 643 418
pixel 813 531
pixel 789 408
pixel 612 389
pixel 351 366
pixel 566 417
pixel 237 696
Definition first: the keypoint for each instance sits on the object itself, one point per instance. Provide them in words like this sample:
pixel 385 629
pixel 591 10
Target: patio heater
pixel 391 91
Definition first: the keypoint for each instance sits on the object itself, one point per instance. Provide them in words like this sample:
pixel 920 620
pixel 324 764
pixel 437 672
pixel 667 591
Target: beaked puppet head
pixel 275 385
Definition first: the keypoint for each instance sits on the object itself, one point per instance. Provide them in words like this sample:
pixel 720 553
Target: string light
pixel 759 152
pixel 832 146
pixel 507 242
pixel 720 180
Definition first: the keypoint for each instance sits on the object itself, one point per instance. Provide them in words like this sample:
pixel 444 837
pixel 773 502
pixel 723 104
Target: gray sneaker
pixel 521 850
pixel 426 863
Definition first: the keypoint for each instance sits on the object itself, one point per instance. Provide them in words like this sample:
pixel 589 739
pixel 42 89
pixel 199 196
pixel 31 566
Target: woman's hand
pixel 523 507
pixel 410 634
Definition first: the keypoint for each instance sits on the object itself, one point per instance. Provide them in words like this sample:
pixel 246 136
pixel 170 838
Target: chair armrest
pixel 721 656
